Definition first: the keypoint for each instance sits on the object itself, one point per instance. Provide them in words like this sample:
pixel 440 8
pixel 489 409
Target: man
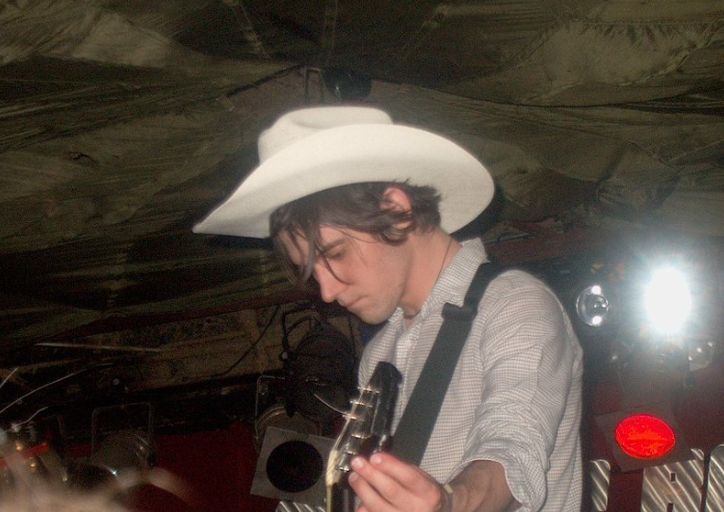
pixel 365 207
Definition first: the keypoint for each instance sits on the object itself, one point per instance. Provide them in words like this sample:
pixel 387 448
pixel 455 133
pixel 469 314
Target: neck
pixel 433 252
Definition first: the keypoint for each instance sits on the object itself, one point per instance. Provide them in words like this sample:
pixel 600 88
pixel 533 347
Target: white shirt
pixel 515 395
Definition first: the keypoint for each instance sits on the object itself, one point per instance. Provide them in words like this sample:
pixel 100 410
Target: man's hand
pixel 386 484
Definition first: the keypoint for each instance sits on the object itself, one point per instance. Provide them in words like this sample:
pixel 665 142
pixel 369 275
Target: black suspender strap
pixel 418 419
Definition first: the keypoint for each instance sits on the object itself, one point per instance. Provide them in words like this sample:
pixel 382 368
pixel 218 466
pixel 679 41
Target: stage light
pixel 592 306
pixel 644 436
pixel 667 300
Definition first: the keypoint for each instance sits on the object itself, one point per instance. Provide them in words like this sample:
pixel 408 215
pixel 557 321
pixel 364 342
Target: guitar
pixel 366 430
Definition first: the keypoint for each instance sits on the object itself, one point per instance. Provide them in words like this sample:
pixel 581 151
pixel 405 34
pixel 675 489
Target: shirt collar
pixel 453 282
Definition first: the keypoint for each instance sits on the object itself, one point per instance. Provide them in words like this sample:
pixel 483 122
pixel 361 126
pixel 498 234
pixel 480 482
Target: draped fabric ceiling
pixel 123 122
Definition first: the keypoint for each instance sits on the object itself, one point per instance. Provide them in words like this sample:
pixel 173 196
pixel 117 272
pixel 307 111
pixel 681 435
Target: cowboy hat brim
pixel 355 154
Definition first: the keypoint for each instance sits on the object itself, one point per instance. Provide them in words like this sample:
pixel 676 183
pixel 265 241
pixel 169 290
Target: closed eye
pixel 334 255
pixel 334 251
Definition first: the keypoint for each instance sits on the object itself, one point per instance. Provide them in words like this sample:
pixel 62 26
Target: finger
pixel 411 477
pixel 405 486
pixel 384 484
pixel 370 498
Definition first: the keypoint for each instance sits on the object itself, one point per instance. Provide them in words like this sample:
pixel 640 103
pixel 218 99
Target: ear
pixel 396 199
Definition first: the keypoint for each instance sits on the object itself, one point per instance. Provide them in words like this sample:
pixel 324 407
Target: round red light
pixel 645 437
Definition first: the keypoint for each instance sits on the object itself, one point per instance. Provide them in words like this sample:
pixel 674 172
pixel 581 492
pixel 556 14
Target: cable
pixel 68 376
pixel 22 397
pixel 9 375
pixel 16 425
pixel 252 347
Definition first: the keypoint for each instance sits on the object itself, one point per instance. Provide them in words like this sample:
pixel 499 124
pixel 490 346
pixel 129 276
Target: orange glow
pixel 645 437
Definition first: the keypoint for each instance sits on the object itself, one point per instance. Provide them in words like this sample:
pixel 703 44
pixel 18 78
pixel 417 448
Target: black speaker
pixel 291 466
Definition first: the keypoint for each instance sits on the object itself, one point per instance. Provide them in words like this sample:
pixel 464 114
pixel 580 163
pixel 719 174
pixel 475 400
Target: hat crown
pixel 319 148
pixel 299 124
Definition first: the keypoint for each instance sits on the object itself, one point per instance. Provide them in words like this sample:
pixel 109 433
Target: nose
pixel 329 286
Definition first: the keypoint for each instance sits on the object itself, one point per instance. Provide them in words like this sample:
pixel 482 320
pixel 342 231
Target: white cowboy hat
pixel 314 149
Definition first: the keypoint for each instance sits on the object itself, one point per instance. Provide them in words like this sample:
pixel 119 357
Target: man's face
pixel 366 276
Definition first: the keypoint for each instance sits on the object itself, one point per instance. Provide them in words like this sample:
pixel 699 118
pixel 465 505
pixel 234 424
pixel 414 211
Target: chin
pixel 373 317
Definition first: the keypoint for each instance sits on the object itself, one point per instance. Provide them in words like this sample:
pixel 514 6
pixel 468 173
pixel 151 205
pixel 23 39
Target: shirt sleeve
pixel 528 352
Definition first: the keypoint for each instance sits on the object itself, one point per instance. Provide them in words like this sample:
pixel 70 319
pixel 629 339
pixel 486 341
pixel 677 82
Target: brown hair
pixel 359 207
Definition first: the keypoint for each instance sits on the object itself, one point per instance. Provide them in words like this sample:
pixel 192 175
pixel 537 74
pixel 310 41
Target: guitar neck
pixel 340 498
pixel 366 430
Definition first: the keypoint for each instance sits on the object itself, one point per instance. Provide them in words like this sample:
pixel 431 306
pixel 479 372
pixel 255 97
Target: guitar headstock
pixel 366 430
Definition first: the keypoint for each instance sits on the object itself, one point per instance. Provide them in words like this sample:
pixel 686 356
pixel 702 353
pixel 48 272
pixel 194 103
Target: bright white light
pixel 668 300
